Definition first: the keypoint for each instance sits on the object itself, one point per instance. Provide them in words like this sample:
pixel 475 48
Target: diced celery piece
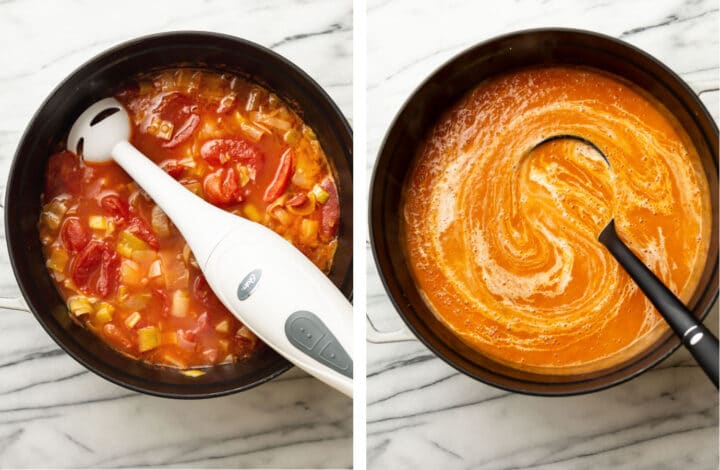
pixel 97 222
pixel 148 338
pixel 129 243
pixel 79 305
pixel 321 195
pixel 180 303
pixel 137 301
pixel 133 319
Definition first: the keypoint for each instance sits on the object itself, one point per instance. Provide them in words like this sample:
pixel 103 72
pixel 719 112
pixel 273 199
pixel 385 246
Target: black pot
pixel 445 87
pixel 99 78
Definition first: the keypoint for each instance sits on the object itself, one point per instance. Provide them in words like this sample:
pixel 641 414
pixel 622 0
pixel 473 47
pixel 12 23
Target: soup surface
pixel 124 269
pixel 503 241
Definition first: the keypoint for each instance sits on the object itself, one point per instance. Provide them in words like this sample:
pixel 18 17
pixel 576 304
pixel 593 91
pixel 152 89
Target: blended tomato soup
pixel 503 243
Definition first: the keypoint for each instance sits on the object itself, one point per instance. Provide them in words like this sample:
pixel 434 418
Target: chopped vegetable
pixel 52 213
pixel 180 303
pixel 281 179
pixel 320 194
pixel 252 212
pixel 160 222
pixel 291 137
pixel 144 256
pixel 193 373
pixel 222 327
pixel 58 260
pixel 79 305
pixel 309 230
pixel 130 273
pixel 129 243
pixel 104 312
pixel 155 269
pixel 97 222
pixel 133 319
pixel 148 338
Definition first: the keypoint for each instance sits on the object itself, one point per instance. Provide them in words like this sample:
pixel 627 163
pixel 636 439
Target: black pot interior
pixel 446 86
pixel 98 79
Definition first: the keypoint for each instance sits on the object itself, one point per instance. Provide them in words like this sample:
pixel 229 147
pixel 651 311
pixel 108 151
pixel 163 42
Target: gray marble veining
pixel 53 412
pixel 424 414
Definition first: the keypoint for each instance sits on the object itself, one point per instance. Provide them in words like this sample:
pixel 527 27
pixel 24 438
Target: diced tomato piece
pixel 64 174
pixel 184 132
pixel 182 112
pixel 201 289
pixel 330 211
pixel 75 236
pixel 86 262
pixel 187 339
pixel 202 322
pixel 222 187
pixel 172 168
pixel 221 151
pixel 162 296
pixel 116 207
pixel 142 230
pixel 297 200
pixel 109 277
pixel 117 336
pixel 282 177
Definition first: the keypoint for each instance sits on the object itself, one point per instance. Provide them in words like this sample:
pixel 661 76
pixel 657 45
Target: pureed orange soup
pixel 503 242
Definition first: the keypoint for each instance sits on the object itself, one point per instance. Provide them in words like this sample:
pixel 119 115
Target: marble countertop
pixel 53 412
pixel 422 413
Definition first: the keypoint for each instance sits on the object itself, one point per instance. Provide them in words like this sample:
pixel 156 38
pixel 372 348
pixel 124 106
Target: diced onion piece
pixel 104 312
pixel 252 212
pixel 302 179
pixel 222 327
pixel 148 338
pixel 137 301
pixel 110 229
pixel 133 319
pixel 309 230
pixel 281 215
pixel 129 243
pixel 160 128
pixel 253 100
pixel 291 137
pixel 174 360
pixel 97 222
pixel 155 269
pixel 186 253
pixel 160 222
pixel 224 344
pixel 244 332
pixel 180 303
pixel 79 305
pixel 130 273
pixel 193 373
pixel 58 260
pixel 271 121
pixel 320 194
pixel 175 272
pixel 255 133
pixel 52 213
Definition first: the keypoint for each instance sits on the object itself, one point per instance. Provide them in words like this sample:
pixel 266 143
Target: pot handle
pixel 14 303
pixel 376 336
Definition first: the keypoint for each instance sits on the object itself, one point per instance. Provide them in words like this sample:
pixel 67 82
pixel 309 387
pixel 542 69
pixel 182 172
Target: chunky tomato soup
pixel 503 241
pixel 124 269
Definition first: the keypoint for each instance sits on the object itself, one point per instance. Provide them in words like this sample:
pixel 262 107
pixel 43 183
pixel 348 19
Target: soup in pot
pixel 502 241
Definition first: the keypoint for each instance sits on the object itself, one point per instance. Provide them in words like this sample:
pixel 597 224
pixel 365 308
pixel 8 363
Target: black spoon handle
pixel 701 343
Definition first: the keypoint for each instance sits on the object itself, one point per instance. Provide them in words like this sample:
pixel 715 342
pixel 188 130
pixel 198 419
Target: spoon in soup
pixel 267 283
pixel 701 343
